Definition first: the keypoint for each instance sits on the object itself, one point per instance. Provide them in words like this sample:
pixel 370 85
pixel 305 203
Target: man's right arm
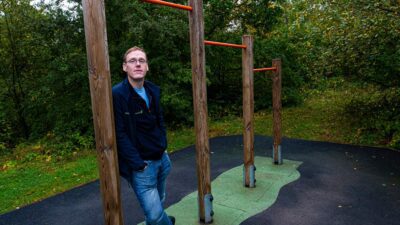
pixel 126 149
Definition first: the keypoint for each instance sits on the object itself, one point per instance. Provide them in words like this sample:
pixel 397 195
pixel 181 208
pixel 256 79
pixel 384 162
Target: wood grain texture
pixel 248 106
pixel 277 105
pixel 196 23
pixel 103 117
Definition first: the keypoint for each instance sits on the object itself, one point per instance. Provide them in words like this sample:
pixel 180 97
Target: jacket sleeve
pixel 160 116
pixel 126 149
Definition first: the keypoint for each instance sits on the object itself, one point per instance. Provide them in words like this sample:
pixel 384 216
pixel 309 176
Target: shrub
pixel 376 115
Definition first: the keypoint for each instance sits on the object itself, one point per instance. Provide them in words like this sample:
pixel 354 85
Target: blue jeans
pixel 149 187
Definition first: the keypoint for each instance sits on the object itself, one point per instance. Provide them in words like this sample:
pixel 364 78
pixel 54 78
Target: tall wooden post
pixel 277 110
pixel 248 111
pixel 103 117
pixel 196 23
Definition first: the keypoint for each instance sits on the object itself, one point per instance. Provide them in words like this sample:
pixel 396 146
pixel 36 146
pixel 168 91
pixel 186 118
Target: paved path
pixel 338 184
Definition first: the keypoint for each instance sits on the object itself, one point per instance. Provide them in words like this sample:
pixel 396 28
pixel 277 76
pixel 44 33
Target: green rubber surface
pixel 233 203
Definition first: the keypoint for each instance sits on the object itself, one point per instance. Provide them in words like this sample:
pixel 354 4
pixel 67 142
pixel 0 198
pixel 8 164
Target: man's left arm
pixel 160 117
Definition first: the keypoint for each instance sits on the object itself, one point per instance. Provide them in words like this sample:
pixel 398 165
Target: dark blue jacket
pixel 140 131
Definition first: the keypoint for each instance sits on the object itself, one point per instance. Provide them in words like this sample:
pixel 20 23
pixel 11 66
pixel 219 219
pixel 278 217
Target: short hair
pixel 135 48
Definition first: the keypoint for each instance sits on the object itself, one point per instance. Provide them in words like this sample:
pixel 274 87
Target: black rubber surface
pixel 339 184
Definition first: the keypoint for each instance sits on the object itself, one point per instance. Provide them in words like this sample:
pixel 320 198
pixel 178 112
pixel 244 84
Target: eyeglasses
pixel 134 61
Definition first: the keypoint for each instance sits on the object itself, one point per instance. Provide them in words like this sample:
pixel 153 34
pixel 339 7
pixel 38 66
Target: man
pixel 141 137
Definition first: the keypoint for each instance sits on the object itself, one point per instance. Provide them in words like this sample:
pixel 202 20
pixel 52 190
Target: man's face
pixel 135 65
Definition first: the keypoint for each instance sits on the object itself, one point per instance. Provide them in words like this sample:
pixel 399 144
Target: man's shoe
pixel 172 219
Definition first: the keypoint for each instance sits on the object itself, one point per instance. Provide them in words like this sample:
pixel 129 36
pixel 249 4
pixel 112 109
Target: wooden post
pixel 248 111
pixel 103 117
pixel 277 110
pixel 196 23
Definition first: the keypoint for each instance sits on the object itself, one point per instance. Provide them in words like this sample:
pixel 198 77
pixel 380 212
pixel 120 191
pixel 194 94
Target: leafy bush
pixel 376 114
pixel 54 146
pixel 6 133
pixel 65 145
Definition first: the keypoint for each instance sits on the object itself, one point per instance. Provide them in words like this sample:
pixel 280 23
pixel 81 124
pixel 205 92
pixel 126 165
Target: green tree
pixel 44 77
pixel 360 41
pixel 23 60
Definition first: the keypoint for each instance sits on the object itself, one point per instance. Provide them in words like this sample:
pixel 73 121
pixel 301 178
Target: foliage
pixel 44 87
pixel 5 132
pixel 376 115
pixel 257 18
pixel 293 72
pixel 359 40
pixel 22 62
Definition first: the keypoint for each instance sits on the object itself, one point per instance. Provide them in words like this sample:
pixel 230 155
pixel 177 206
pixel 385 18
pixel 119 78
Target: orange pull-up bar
pixel 265 69
pixel 170 4
pixel 224 44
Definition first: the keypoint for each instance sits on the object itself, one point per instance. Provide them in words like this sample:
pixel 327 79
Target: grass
pixel 27 176
pixel 23 183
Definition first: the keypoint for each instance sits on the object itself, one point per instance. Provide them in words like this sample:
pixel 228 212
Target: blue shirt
pixel 142 93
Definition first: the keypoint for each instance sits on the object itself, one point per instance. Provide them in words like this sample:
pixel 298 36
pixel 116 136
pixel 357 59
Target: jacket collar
pixel 129 92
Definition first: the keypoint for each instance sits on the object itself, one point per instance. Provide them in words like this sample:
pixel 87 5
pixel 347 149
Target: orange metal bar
pixel 224 44
pixel 170 4
pixel 265 69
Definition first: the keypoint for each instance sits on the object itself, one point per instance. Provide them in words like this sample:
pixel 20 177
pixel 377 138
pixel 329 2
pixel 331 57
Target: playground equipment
pixel 276 107
pixel 248 106
pixel 103 118
pixel 170 4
